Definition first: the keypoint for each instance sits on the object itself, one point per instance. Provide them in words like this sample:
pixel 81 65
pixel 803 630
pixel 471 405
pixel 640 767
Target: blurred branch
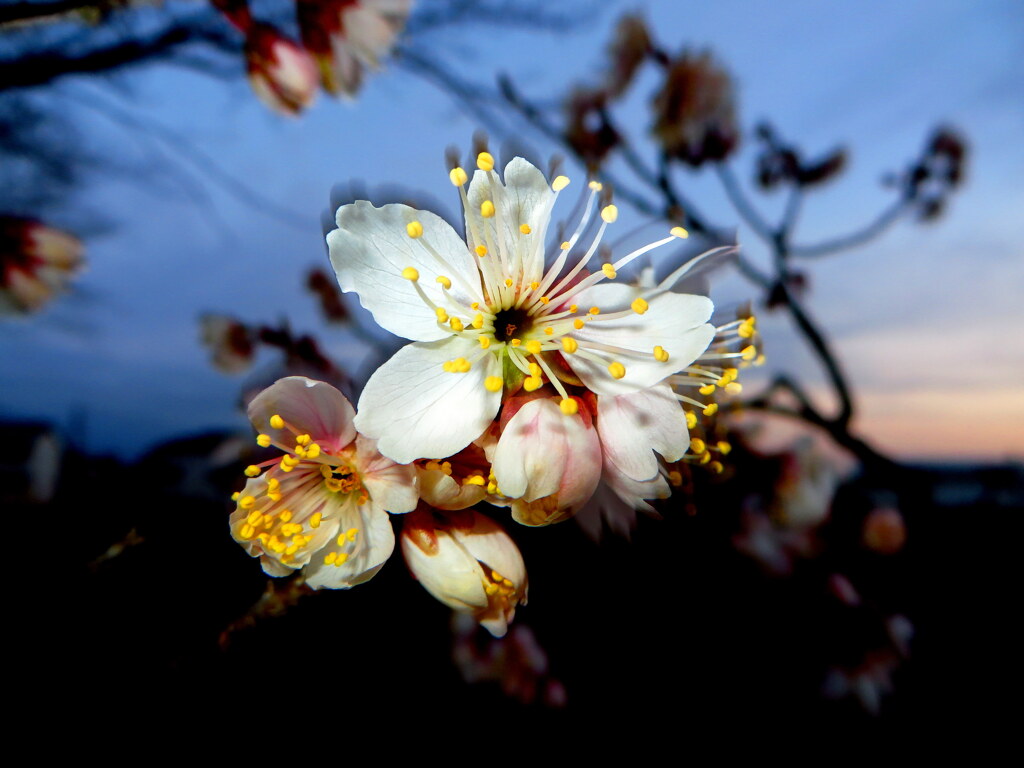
pixel 885 219
pixel 742 205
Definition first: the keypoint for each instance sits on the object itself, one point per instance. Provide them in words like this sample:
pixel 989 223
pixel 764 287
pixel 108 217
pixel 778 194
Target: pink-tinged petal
pixel 415 409
pixel 441 491
pixel 676 322
pixel 307 407
pixel 364 542
pixel 632 427
pixel 370 250
pixel 391 486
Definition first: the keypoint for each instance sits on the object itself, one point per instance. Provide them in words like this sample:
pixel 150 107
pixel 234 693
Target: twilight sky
pixel 925 319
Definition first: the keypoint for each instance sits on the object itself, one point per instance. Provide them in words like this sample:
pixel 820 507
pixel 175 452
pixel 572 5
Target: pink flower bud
pixel 281 72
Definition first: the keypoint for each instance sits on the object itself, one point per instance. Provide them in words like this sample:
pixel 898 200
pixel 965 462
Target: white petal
pixel 373 545
pixel 675 321
pixel 488 543
pixel 525 198
pixel 633 426
pixel 371 248
pixel 415 409
pixel 450 574
pixel 309 407
pixel 391 486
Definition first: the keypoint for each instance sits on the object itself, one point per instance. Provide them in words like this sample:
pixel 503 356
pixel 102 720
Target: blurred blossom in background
pixel 170 171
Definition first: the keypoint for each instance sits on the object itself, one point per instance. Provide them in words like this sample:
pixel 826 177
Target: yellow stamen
pixel 724 447
pixel 493 383
pixel 711 409
pixel 691 419
pixel 525 229
pixel 609 213
pixel 481 251
pixel 707 389
pixel 456 324
pixel 569 344
pixel 565 246
pixel 609 271
pixel 445 282
pixel 414 229
pixel 314 521
pixel 247 502
pixel 569 406
pixel 410 273
pixel 252 471
pixel 578 323
pixel 679 232
pixel 474 480
pixel 597 186
pixel 531 383
pixel 508 282
pixel 263 441
pixel 487 209
pixel 560 183
pixel 442 316
pixel 594 310
pixel 697 445
pixel 276 422
pixel 485 161
pixel 617 370
pixel 485 342
pixel 517 342
pixel 458 176
pixel 533 347
pixel 549 331
pixel 639 305
pixel 478 321
pixel 660 354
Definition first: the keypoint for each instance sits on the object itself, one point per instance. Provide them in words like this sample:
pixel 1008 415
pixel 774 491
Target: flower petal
pixel 415 409
pixel 677 322
pixel 633 426
pixel 371 248
pixel 309 407
pixel 391 486
pixel 524 198
pixel 358 556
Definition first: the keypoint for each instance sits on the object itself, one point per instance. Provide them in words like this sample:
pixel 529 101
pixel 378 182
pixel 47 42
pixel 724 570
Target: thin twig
pixel 742 205
pixel 887 218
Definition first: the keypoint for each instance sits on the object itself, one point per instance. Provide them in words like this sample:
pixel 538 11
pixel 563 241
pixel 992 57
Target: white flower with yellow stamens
pixel 324 505
pixel 486 316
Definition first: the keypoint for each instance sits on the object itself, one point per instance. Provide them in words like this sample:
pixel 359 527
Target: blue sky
pixel 925 319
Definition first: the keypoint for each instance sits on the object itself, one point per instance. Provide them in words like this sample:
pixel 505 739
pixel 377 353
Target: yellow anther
pixel 707 389
pixel 732 373
pixel 445 282
pixel 746 330
pixel 660 354
pixel 578 323
pixel 276 422
pixel 534 369
pixel 342 559
pixel 597 186
pixel 291 550
pixel 493 383
pixel 733 387
pixel 485 161
pixel 517 342
pixel 313 451
pixel 458 176
pixel 414 229
pixel 285 516
pixel 456 324
pixel 442 316
pixel 303 439
pixel 711 409
pixel 609 271
pixel 252 471
pixel 247 531
pixel 508 282
pixel 254 517
pixel 569 344
pixel 461 365
pixel 724 447
pixel 331 557
pixel 609 213
pixel 705 458
pixel 697 445
pixel 617 370
pixel 492 487
pixel 235 495
pixel 410 273
pixel 263 441
pixel 534 285
pixel 675 477
pixel 531 383
pixel 749 353
pixel 569 406
pixel 491 589
pixel 487 209
pixel 351 533
pixel 478 321
pixel 550 331
pixel 639 305
pixel 533 347
pixel 679 232
pixel 300 451
pixel 481 251
pixel 544 299
pixel 525 229
pixel 594 310
pixel 560 183
pixel 314 521
pixel 475 305
pixel 475 480
pixel 341 540
pixel 247 502
pixel 485 342
pixel 565 246
pixel 691 419
pixel 573 307
pixel 717 467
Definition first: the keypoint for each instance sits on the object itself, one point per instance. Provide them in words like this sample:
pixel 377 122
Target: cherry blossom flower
pixel 281 72
pixel 347 36
pixel 323 506
pixel 468 562
pixel 36 261
pixel 487 319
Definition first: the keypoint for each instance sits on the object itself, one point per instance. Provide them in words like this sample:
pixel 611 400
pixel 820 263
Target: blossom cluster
pixel 534 380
